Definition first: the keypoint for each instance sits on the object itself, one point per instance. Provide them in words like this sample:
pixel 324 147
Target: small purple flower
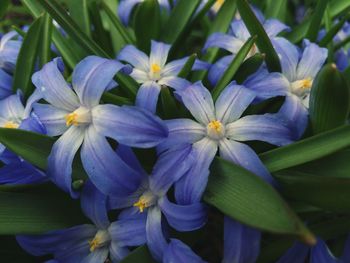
pixel 5 84
pixel 153 72
pixel 76 115
pixel 10 44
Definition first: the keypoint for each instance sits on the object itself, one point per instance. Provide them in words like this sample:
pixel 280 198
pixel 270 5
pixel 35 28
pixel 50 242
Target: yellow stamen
pixel 11 125
pixel 94 244
pixel 306 83
pixel 141 204
pixel 215 125
pixel 71 118
pixel 155 68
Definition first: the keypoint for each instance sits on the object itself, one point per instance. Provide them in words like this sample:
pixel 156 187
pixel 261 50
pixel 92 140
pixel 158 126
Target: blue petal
pixel 267 128
pixel 98 255
pixel 183 131
pixel 94 205
pixel 218 69
pixel 125 8
pixel 232 102
pixel 147 96
pixel 135 57
pixel 21 172
pixel 174 82
pixel 129 232
pixel 321 254
pixel 311 61
pixel 107 171
pixel 346 252
pixel 128 156
pixel 241 243
pixel 12 108
pixel 159 53
pixel 170 167
pixel 199 102
pixel 184 217
pixel 174 67
pixel 9 50
pixel 180 253
pixel 156 241
pixel 227 42
pixel 189 189
pixel 117 253
pixel 53 241
pixel 244 156
pixel 54 88
pixel 295 115
pixel 296 254
pixel 52 118
pixel 267 85
pixel 289 57
pixel 239 30
pixel 5 84
pixel 92 76
pixel 33 124
pixel 273 27
pixel 61 158
pixel 128 125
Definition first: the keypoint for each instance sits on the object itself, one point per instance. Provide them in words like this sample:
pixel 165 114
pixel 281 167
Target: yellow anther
pixel 215 125
pixel 306 83
pixel 11 125
pixel 95 243
pixel 155 68
pixel 71 118
pixel 141 204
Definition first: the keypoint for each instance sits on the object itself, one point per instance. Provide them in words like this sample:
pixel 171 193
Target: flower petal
pixel 108 172
pixel 156 241
pixel 94 205
pixel 129 232
pixel 54 88
pixel 159 53
pixel 61 158
pixel 346 252
pixel 199 102
pixel 135 57
pixel 92 76
pixel 190 187
pixel 21 172
pixel 244 156
pixel 174 82
pixel 321 254
pixel 267 128
pixel 147 96
pixel 184 217
pixel 273 27
pixel 241 243
pixel 125 8
pixel 5 84
pixel 117 253
pixel 174 67
pixel 218 69
pixel 98 255
pixel 11 108
pixel 227 42
pixel 180 252
pixel 232 102
pixel 52 118
pixel 128 125
pixel 296 254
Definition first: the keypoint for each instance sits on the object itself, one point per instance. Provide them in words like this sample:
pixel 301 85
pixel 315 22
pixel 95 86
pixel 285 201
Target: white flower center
pixel 81 116
pixel 101 239
pixel 301 88
pixel 216 130
pixel 146 200
pixel 155 72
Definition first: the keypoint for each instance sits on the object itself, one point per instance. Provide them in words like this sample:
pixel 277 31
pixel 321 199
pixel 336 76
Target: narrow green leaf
pixel 38 212
pixel 4 5
pixel 140 254
pixel 34 148
pixel 248 67
pixel 333 31
pixel 28 56
pixel 307 150
pixel 233 67
pixel 169 108
pixel 316 20
pixel 178 20
pixel 108 97
pixel 79 11
pixel 45 55
pixel 330 193
pixel 124 34
pixel 128 84
pixel 276 9
pixel 186 70
pixel 230 190
pixel 19 31
pixel 263 41
pixel 147 24
pixel 329 100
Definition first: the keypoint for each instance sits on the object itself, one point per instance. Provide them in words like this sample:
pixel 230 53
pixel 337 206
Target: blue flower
pixel 5 84
pixel 126 7
pixel 151 199
pixel 234 41
pixel 76 115
pixel 93 243
pixel 10 44
pixel 153 72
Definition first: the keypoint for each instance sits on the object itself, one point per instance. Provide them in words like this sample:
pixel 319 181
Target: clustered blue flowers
pixel 168 194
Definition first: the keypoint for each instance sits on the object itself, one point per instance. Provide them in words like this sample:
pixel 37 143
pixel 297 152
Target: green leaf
pixel 45 55
pixel 28 56
pixel 263 41
pixel 179 19
pixel 34 148
pixel 4 5
pixel 147 24
pixel 140 254
pixel 233 67
pixel 248 67
pixel 330 193
pixel 186 70
pixel 79 11
pixel 333 31
pixel 329 100
pixel 276 9
pixel 35 212
pixel 307 150
pixel 108 97
pixel 316 20
pixel 247 198
pixel 169 108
